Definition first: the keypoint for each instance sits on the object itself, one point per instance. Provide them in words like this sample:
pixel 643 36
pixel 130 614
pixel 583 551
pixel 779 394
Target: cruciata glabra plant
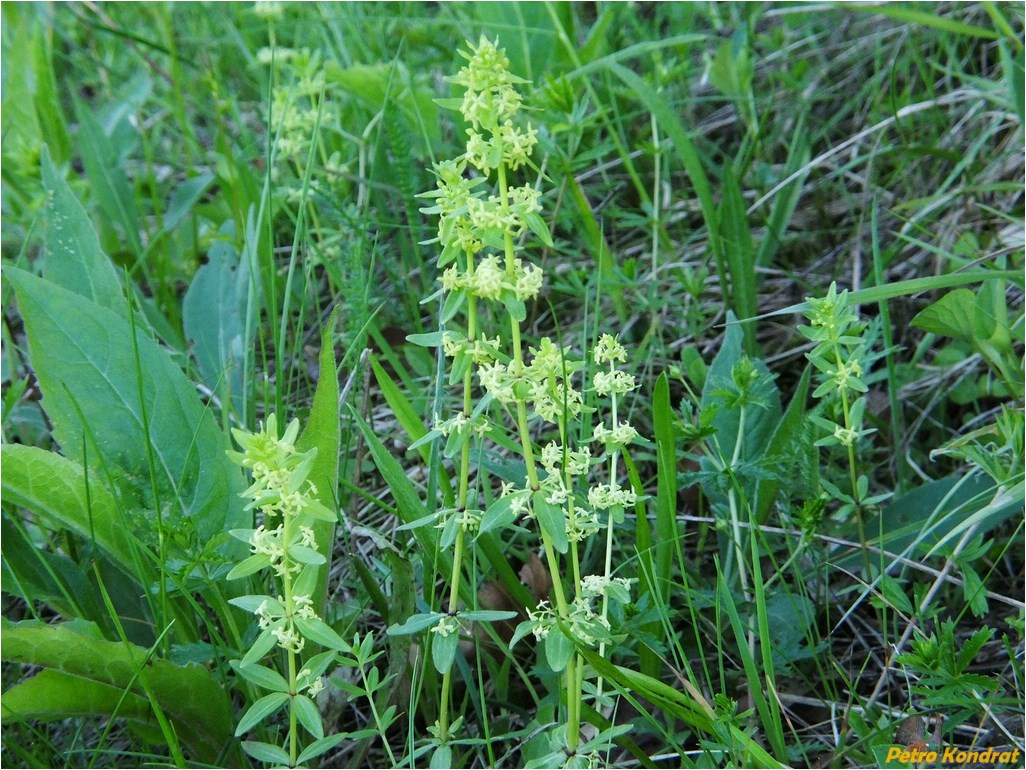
pixel 290 629
pixel 485 285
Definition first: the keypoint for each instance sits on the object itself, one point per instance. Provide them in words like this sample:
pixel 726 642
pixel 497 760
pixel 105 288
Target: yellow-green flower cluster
pixel 284 541
pixel 838 356
pixel 490 279
pixel 468 220
pixel 489 104
pixel 281 486
pixel 544 383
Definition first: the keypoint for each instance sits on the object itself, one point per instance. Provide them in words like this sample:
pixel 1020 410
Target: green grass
pixel 195 238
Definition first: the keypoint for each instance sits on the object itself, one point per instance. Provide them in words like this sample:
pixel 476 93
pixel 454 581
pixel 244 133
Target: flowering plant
pixel 486 278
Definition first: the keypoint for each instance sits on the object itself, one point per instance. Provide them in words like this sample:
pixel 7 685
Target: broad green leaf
pixel 499 514
pixel 904 289
pixel 487 616
pixel 587 221
pixel 309 716
pixel 58 491
pixel 22 130
pixel 74 258
pixel 252 602
pixel 261 676
pixel 408 418
pixel 317 630
pixel 305 555
pixel 267 752
pixel 950 316
pixel 93 388
pixel 441 757
pixel 759 422
pixel 443 651
pixel 110 184
pixel 213 316
pixel 376 84
pixel 669 121
pixel 407 500
pixel 428 340
pixel 782 437
pixel 317 748
pixel 263 645
pixel 248 566
pixel 935 513
pixel 37 575
pixel 909 15
pixel 415 623
pixel 558 649
pixel 80 662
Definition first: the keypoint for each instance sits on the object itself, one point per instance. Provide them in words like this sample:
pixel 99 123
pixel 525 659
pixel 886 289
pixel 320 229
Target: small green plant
pixel 940 671
pixel 840 357
pixel 284 543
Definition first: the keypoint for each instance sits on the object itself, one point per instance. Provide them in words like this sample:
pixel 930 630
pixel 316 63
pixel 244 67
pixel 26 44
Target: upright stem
pixel 573 717
pixel 608 567
pixel 290 611
pixel 735 517
pixel 456 576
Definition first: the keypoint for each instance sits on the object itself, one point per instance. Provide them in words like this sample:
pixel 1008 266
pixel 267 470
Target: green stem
pixel 608 566
pixel 290 610
pixel 456 576
pixel 573 718
pixel 735 519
